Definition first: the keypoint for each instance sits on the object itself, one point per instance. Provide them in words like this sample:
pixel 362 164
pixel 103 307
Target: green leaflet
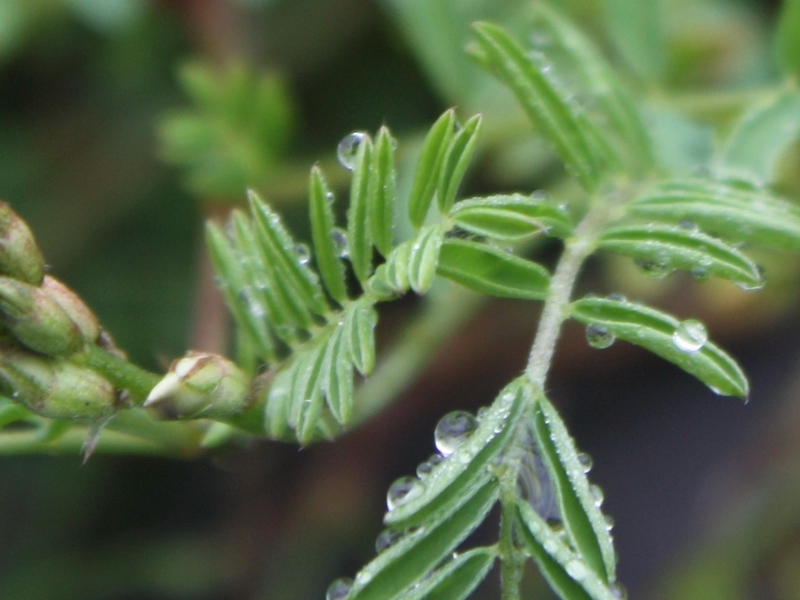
pixel 267 295
pixel 763 133
pixel 338 376
pixel 329 265
pixel 232 282
pixel 637 30
pixel 429 167
pixel 394 571
pixel 359 233
pixel 567 574
pixel 730 212
pixel 492 271
pixel 458 155
pixel 578 504
pixel 279 250
pixel 658 332
pixel 359 327
pixel 675 247
pixel 545 103
pixel 423 257
pixel 457 578
pixel 466 469
pixel 511 217
pixel 787 39
pixel 583 60
pixel 382 191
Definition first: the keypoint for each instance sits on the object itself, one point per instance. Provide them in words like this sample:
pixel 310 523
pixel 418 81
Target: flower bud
pixel 20 257
pixel 75 308
pixel 200 385
pixel 55 388
pixel 37 320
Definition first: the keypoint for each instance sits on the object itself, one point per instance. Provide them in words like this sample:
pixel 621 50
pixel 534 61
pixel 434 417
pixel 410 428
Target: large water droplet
pixel 386 539
pixel 452 430
pixel 690 336
pixel 653 269
pixel 339 589
pixel 403 490
pixel 339 237
pixel 303 253
pixel 347 149
pixel 598 337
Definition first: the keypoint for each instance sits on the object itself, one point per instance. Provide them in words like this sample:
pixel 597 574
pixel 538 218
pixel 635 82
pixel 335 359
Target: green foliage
pixel 306 317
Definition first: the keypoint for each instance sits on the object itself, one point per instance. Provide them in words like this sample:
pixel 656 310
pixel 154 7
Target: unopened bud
pixel 55 388
pixel 75 308
pixel 200 385
pixel 20 257
pixel 37 320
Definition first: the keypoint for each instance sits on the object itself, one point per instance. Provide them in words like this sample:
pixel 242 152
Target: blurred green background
pixel 125 123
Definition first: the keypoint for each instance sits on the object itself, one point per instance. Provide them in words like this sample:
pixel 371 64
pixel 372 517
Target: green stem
pixel 512 561
pixel 123 374
pixel 577 249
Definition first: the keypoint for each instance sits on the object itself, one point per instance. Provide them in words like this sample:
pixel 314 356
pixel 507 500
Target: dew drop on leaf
pixel 597 494
pixel 452 430
pixel 303 253
pixel 616 297
pixel 427 467
pixel 688 225
pixel 690 336
pixel 598 337
pixel 339 238
pixel 386 539
pixel 609 522
pixel 330 197
pixel 403 490
pixel 653 269
pixel 586 461
pixel 339 589
pixel 348 148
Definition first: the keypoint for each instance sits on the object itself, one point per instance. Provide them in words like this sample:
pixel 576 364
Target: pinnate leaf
pixel 490 270
pixel 659 333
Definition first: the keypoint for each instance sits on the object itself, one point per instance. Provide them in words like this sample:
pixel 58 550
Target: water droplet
pixel 452 430
pixel 688 224
pixel 597 494
pixel 701 272
pixel 303 253
pixel 403 490
pixel 386 539
pixel 339 237
pixel 427 467
pixel 690 336
pixel 363 577
pixel 618 591
pixel 347 149
pixel 540 196
pixel 330 197
pixel 609 522
pixel 598 337
pixel 586 461
pixel 653 269
pixel 616 297
pixel 339 589
pixel 576 569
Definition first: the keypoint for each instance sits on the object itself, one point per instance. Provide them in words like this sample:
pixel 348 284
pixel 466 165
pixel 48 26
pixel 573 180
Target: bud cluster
pixel 43 325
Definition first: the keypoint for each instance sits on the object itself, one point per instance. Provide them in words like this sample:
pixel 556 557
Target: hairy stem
pixel 123 374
